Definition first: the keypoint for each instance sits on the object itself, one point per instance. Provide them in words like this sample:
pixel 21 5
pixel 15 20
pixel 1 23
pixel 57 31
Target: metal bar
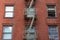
pixel 33 17
pixel 31 3
pixel 34 14
pixel 32 23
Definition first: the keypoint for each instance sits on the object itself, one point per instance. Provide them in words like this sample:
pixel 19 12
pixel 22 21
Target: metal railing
pixel 30 12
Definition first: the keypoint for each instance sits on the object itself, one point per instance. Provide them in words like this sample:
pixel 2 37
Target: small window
pixel 7 32
pixel 53 32
pixel 51 10
pixel 32 33
pixel 9 11
pixel 30 12
pixel 30 9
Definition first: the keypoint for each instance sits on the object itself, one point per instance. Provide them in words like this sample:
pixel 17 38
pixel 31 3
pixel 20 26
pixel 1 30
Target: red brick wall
pixel 42 20
pixel 17 21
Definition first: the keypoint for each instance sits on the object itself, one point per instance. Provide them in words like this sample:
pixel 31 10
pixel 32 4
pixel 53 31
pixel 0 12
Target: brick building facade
pixel 47 20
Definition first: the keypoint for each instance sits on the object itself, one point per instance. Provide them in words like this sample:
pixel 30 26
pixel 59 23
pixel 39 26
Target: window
pixel 30 12
pixel 30 34
pixel 9 11
pixel 30 9
pixel 53 32
pixel 7 32
pixel 51 10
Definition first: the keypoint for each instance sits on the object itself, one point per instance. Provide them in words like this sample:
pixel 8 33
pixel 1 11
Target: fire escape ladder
pixel 31 3
pixel 31 17
pixel 32 21
pixel 31 25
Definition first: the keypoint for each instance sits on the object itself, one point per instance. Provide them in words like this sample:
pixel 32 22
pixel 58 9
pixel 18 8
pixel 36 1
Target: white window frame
pixel 9 11
pixel 52 9
pixel 5 32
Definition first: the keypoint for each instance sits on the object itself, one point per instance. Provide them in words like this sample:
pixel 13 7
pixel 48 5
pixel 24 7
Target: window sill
pixel 8 17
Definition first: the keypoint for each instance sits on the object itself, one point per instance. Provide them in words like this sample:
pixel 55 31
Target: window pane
pixel 51 10
pixel 9 14
pixel 32 32
pixel 51 6
pixel 7 29
pixel 7 36
pixel 53 32
pixel 30 12
pixel 9 8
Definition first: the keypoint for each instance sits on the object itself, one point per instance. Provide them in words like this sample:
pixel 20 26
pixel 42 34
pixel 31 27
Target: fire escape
pixel 30 32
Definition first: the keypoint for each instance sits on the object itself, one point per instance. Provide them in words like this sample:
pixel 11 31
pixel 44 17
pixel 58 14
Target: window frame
pixel 7 32
pixel 51 10
pixel 55 26
pixel 8 11
pixel 34 33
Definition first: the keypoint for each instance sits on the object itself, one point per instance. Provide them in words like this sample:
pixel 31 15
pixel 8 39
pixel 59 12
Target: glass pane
pixel 9 8
pixel 7 36
pixel 9 14
pixel 51 6
pixel 30 12
pixel 7 29
pixel 53 33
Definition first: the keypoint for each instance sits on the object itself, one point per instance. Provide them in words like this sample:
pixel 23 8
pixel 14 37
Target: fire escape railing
pixel 30 12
